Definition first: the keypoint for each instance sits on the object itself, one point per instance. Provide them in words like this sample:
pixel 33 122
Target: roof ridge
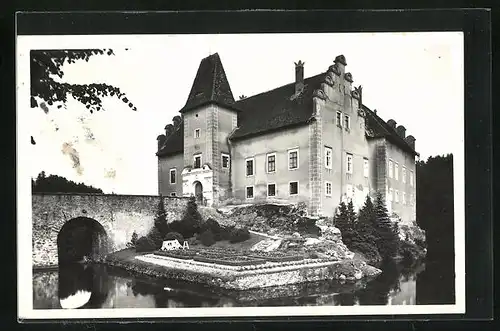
pixel 277 88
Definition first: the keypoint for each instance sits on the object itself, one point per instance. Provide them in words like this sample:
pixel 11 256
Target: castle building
pixel 311 141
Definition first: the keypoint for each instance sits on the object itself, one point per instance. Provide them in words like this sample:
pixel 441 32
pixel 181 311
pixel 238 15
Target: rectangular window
pixel 293 159
pixel 366 167
pixel 347 123
pixel 271 162
pixel 197 133
pixel 173 175
pixel 349 165
pixel 294 188
pixel 197 161
pixel 403 198
pixel 390 195
pixel 328 157
pixel 328 189
pixel 403 174
pixel 249 167
pixel 411 178
pixel 339 119
pixel 271 190
pixel 225 161
pixel 390 168
pixel 173 194
pixel 396 171
pixel 396 195
pixel 249 192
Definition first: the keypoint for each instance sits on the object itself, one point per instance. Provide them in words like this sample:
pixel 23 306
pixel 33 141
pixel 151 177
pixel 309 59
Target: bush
pixel 410 252
pixel 369 251
pixel 225 233
pixel 308 226
pixel 174 235
pixel 207 238
pixel 239 235
pixel 191 221
pixel 144 244
pixel 155 237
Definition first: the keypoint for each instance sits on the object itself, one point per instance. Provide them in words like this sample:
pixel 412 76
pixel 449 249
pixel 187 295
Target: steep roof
pixel 174 143
pixel 379 128
pixel 276 109
pixel 210 85
pixel 268 111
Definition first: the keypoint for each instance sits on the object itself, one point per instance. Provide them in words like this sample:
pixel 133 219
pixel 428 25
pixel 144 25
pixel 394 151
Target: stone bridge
pixel 115 217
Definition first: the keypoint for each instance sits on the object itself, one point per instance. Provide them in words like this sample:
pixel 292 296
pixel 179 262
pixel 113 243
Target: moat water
pixel 99 286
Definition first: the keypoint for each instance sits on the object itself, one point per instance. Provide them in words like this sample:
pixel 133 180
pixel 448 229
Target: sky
pixel 414 78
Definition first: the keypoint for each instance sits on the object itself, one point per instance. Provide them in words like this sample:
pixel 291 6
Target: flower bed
pixel 230 260
pixel 276 256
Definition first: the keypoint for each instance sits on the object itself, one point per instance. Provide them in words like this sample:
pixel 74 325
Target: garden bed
pixel 237 261
pixel 276 256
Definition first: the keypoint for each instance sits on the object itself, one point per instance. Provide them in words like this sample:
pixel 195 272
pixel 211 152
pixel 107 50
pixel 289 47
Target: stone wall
pixel 120 215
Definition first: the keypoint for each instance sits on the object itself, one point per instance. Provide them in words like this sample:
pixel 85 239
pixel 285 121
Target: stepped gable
pixel 276 109
pixel 380 129
pixel 210 85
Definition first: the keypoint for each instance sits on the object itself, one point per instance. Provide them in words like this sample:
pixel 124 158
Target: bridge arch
pixel 81 239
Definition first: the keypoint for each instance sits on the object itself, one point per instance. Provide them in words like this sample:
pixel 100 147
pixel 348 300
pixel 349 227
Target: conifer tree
pixel 365 225
pixel 344 221
pixel 387 235
pixel 160 219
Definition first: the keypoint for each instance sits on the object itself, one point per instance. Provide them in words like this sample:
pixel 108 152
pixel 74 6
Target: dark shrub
pixel 239 235
pixel 174 235
pixel 225 233
pixel 191 221
pixel 410 252
pixel 207 238
pixel 308 226
pixel 155 237
pixel 212 225
pixel 369 251
pixel 144 244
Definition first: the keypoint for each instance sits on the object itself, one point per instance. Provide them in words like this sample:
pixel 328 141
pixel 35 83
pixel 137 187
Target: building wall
pixel 258 147
pixel 407 209
pixel 198 119
pixel 345 186
pixel 120 216
pixel 166 163
pixel 224 123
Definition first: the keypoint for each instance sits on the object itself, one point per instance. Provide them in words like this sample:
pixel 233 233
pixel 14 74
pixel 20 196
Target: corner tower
pixel 209 116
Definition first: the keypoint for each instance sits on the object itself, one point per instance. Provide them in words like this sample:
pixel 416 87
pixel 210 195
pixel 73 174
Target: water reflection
pixel 97 286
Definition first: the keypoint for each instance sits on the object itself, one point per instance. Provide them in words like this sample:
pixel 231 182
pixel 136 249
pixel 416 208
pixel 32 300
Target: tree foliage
pixel 58 184
pixel 160 221
pixel 344 221
pixel 46 79
pixel 365 240
pixel 387 231
pixel 191 221
pixel 435 203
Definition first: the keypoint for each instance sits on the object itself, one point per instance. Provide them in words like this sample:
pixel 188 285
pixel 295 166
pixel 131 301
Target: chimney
pixel 401 130
pixel 299 76
pixel 410 140
pixel 341 63
pixel 392 124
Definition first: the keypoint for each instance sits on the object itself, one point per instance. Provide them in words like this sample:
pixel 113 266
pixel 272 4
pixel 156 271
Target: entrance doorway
pixel 198 192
